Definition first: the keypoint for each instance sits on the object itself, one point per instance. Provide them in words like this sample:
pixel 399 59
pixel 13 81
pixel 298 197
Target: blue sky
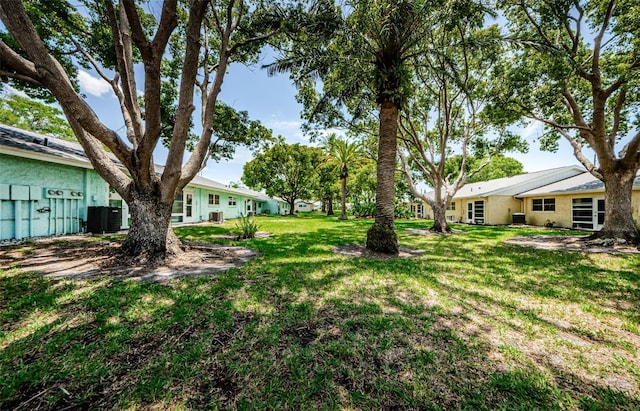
pixel 272 101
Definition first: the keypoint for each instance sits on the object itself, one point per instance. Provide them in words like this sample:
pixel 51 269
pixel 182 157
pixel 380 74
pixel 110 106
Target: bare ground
pixel 573 243
pixel 75 257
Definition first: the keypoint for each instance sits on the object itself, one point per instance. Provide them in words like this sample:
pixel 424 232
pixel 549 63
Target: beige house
pixel 577 202
pixel 496 201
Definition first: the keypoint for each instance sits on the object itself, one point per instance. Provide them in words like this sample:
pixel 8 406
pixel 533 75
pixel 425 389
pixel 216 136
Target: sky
pixel 271 100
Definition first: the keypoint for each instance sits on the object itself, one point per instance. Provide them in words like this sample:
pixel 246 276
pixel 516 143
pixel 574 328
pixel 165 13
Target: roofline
pixel 30 154
pixel 559 193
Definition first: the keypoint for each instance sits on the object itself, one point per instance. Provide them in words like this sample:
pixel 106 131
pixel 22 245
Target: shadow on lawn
pixel 299 328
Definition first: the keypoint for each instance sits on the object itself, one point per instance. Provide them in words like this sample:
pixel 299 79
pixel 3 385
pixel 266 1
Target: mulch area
pixel 75 257
pixel 573 243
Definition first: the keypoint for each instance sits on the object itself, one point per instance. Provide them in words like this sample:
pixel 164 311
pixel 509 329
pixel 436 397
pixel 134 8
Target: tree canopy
pixel 176 55
pixel 29 114
pixel 288 171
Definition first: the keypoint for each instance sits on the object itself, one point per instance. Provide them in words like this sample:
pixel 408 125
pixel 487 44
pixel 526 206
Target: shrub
pixel 246 227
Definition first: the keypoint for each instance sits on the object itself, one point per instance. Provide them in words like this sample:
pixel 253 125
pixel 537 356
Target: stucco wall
pixel 562 215
pixel 202 208
pixel 60 211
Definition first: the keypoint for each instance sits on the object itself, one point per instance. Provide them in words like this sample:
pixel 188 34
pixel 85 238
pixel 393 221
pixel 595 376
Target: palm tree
pixel 363 56
pixel 343 154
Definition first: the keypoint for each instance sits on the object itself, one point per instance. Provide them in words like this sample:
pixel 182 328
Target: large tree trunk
pixel 150 237
pixel 292 206
pixel 330 206
pixel 440 224
pixel 618 218
pixel 343 200
pixel 381 236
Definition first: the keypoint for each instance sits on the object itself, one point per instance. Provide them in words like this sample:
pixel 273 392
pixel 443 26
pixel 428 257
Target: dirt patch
pixel 360 250
pixel 75 257
pixel 573 243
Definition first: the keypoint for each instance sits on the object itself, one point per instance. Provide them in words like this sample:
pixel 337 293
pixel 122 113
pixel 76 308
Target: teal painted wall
pixel 53 189
pixel 202 208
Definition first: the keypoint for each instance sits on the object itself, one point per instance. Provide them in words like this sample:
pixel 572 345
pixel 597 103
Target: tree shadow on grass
pixel 299 328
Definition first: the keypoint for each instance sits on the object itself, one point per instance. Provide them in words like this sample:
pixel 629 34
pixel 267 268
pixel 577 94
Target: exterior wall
pixel 563 212
pixel 202 208
pixel 303 207
pixel 561 216
pixel 499 209
pixel 39 198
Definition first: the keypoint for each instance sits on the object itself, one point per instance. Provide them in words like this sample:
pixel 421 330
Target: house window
pixel 232 201
pixel 451 206
pixel 214 199
pixel 544 204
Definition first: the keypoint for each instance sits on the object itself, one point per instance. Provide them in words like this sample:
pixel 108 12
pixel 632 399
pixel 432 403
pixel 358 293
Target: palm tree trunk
pixel 381 236
pixel 343 204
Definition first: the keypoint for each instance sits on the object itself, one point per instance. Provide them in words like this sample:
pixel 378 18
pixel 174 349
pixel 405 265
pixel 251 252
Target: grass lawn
pixel 471 324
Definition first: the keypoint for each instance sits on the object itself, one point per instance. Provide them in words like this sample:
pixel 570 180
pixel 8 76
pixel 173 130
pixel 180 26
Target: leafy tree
pixel 33 115
pixel 447 115
pixel 327 188
pixel 362 54
pixel 177 48
pixel 499 167
pixel 287 171
pixel 342 154
pixel 580 76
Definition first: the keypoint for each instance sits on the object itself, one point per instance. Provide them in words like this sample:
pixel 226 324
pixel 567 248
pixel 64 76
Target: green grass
pixel 471 324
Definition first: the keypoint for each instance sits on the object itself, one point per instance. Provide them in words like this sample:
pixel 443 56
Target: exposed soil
pixel 573 243
pixel 420 231
pixel 75 257
pixel 360 250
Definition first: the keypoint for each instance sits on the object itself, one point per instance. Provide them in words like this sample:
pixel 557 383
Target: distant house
pixel 47 186
pixel 303 206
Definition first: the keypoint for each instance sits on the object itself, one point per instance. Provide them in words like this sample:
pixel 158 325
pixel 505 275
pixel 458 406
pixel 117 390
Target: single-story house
pixel 493 202
pixel 565 197
pixel 304 206
pixel 576 202
pixel 47 186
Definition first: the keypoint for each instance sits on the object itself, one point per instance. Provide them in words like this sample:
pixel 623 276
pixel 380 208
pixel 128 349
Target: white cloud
pixel 93 85
pixel 533 130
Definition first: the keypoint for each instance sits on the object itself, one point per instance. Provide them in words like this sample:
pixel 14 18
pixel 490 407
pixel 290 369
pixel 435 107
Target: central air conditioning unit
pixel 103 219
pixel 216 216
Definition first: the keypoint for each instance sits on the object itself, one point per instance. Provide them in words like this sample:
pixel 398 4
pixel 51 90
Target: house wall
pixel 499 209
pixel 202 208
pixel 562 214
pixel 39 198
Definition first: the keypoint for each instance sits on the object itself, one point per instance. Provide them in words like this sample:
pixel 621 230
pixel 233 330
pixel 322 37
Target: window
pixel 544 204
pixel 451 206
pixel 232 201
pixel 214 199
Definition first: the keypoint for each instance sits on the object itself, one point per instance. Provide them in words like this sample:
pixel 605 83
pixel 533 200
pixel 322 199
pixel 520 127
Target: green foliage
pixel 29 114
pixel 284 170
pixel 246 227
pixel 402 212
pixel 499 167
pixel 363 208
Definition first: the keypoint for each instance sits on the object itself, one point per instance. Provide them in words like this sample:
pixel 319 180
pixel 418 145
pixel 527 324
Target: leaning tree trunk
pixel 618 218
pixel 381 236
pixel 440 224
pixel 343 200
pixel 150 237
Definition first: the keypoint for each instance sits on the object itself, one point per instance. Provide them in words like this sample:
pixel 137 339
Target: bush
pixel 402 212
pixel 364 209
pixel 246 228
